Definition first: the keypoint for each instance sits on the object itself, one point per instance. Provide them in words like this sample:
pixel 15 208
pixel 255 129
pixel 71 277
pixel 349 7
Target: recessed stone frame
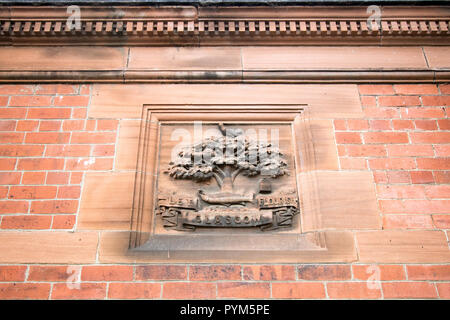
pixel 289 246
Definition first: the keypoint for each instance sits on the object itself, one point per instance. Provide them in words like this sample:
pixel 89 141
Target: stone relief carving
pixel 224 158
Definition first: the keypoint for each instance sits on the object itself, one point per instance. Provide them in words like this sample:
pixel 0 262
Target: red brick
pixel 48 113
pixel 305 290
pixel 385 137
pixel 12 113
pixel 89 164
pixel 442 150
pixel 433 163
pixel 380 176
pixel 214 273
pixel 3 192
pixel 392 163
pixel 441 176
pixel 376 112
pixel 41 164
pixel 47 137
pixel 7 125
pixel 268 272
pixel 410 150
pixel 403 124
pixel 353 163
pixel 375 89
pixel 56 88
pixel 407 222
pixel 340 124
pixel 73 125
pixel 342 151
pixel 71 101
pixel 380 124
pixel 30 101
pixel 79 113
pixel 33 177
pixel 27 125
pixel 243 290
pixel 57 177
pixel 50 125
pixel 357 124
pixel 189 290
pixel 444 124
pixel 437 191
pixel 416 89
pixel 93 137
pixel 414 113
pixel 426 124
pixel 430 137
pixel 402 290
pixel 421 177
pixel 324 272
pixel 415 206
pixel 352 290
pixel 15 89
pixel 3 101
pixel 21 150
pixel 7 164
pixel 10 178
pixel 399 101
pixel 441 221
pixel 13 207
pixel 54 206
pixel 90 125
pixel 107 273
pixel 348 137
pixel 85 89
pixel 365 151
pixel 445 88
pixel 68 150
pixel 378 272
pixel 76 177
pixel 444 290
pixel 63 221
pixel 26 222
pixel 398 176
pixel 400 192
pixel 424 272
pixel 86 291
pixel 32 192
pixel 53 273
pixel 12 273
pixel 103 150
pixel 134 291
pixel 433 100
pixel 161 272
pixel 69 192
pixel 24 291
pixel 11 137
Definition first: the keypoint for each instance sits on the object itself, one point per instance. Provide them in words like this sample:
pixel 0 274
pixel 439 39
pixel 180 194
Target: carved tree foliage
pixel 225 157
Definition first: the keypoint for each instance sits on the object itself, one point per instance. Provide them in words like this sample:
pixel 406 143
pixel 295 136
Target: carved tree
pixel 225 157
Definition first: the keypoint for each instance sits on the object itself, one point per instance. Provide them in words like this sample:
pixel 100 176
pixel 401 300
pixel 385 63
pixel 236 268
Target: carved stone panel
pixel 219 180
pixel 230 176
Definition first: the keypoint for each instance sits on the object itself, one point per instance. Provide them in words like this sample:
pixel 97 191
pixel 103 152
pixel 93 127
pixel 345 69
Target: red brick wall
pixel 47 143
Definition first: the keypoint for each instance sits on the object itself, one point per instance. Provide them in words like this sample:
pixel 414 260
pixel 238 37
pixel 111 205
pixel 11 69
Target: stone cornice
pixel 208 26
pixel 225 64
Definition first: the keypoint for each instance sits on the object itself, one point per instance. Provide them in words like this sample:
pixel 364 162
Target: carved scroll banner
pixel 272 213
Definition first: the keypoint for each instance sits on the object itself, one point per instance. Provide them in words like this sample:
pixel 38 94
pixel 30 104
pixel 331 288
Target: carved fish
pixel 225 198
